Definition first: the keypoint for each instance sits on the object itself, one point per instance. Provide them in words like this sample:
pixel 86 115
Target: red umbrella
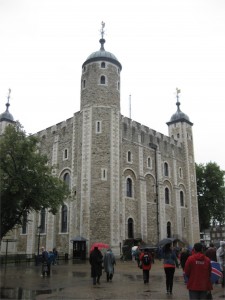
pixel 100 246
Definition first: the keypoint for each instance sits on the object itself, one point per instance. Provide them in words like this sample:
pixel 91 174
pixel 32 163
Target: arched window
pixel 130 228
pixel 64 218
pixel 103 65
pixel 181 198
pixel 167 196
pixel 168 229
pixel 129 187
pixel 42 223
pixel 102 80
pixel 166 169
pixel 66 178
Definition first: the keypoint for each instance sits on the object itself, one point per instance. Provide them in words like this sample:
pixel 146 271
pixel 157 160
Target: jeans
pixel 146 276
pixel 197 295
pixel 169 278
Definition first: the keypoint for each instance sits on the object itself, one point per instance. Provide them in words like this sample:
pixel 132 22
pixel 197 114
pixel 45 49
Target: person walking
pixel 184 254
pixel 96 259
pixel 45 265
pixel 169 263
pixel 109 261
pixel 211 252
pixel 220 253
pixel 198 271
pixel 55 260
pixel 146 263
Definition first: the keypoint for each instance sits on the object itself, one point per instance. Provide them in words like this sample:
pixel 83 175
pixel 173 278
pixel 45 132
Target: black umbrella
pixel 166 241
pixel 148 247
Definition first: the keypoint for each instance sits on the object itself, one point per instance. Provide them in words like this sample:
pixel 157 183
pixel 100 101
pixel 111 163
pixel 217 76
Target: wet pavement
pixel 71 280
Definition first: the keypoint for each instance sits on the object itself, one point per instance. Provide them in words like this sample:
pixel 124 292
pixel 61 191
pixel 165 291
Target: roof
pixel 179 116
pixel 102 54
pixel 6 116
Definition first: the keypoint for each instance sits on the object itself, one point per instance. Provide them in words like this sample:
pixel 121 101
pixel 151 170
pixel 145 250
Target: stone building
pixel 126 180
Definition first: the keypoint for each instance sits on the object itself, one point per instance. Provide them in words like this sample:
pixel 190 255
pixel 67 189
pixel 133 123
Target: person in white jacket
pixel 220 255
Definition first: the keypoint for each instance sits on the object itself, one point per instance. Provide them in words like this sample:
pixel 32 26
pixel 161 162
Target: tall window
pixel 130 228
pixel 166 169
pixel 102 79
pixel 181 198
pixel 180 173
pixel 103 174
pixel 66 179
pixel 168 229
pixel 149 162
pixel 65 154
pixel 98 127
pixel 42 223
pixel 129 187
pixel 103 65
pixel 167 196
pixel 64 219
pixel 129 156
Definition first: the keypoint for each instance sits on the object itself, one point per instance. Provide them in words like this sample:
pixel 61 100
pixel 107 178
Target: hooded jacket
pixel 220 254
pixel 198 270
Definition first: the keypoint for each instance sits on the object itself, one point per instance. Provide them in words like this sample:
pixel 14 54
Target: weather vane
pixel 9 95
pixel 102 29
pixel 178 92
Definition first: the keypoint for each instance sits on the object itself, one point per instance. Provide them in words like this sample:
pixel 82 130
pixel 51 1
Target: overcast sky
pixel 161 44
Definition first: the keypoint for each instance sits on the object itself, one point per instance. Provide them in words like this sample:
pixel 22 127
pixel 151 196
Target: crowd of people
pixel 195 262
pixel 48 258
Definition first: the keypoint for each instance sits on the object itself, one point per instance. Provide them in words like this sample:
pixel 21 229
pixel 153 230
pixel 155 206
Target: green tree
pixel 211 194
pixel 26 182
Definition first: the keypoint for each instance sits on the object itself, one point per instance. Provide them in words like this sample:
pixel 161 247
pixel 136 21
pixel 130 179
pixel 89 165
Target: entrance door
pixel 79 250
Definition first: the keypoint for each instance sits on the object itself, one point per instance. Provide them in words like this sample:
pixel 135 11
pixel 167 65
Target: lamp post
pixel 154 147
pixel 39 236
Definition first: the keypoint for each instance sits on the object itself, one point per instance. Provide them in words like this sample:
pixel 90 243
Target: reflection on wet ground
pixel 73 281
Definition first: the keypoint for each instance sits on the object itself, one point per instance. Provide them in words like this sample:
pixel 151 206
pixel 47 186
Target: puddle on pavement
pixel 19 293
pixel 79 274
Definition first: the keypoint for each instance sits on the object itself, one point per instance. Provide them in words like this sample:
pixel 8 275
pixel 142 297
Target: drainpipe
pixel 154 147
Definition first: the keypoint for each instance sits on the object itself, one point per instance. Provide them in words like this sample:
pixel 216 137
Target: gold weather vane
pixel 102 29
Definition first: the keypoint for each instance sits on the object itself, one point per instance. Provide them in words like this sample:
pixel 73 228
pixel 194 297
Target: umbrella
pixel 166 241
pixel 216 271
pixel 100 246
pixel 147 246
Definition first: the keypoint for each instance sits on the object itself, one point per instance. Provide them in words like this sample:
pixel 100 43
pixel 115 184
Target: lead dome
pixel 102 54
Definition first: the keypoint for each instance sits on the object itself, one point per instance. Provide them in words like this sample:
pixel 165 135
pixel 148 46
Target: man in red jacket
pixel 198 271
pixel 146 264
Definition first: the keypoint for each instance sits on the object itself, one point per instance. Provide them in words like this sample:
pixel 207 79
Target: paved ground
pixel 72 280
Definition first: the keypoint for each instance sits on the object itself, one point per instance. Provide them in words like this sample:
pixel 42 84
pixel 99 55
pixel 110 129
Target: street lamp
pixel 39 235
pixel 154 147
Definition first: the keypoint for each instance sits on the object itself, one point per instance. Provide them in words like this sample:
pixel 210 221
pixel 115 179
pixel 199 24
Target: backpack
pixel 146 259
